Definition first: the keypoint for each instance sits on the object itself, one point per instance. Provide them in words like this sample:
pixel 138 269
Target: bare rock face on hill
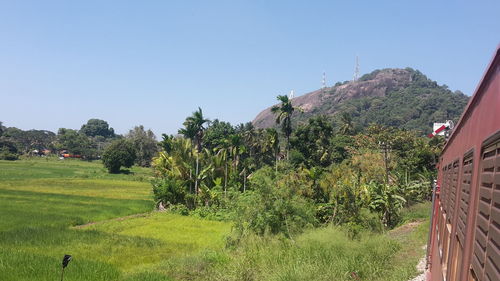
pixel 381 83
pixel 392 97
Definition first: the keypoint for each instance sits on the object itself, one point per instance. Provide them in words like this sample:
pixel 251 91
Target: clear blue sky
pixel 154 62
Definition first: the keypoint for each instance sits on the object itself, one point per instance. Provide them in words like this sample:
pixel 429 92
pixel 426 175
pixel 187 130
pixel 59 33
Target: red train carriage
pixel 464 242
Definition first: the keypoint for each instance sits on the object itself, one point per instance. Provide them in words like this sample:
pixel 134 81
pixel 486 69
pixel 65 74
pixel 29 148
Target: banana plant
pixel 386 201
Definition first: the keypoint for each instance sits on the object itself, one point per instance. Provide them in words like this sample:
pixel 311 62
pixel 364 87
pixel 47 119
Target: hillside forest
pixel 402 98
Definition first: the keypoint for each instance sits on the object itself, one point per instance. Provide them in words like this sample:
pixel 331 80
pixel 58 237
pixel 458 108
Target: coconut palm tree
pixel 271 143
pixel 283 113
pixel 222 156
pixel 346 124
pixel 236 148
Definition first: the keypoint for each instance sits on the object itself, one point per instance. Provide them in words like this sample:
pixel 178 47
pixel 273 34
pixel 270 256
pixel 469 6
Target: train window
pixel 453 184
pixel 444 187
pixel 446 200
pixel 442 219
pixel 472 275
pixel 486 257
pixel 446 246
pixel 464 195
pixel 455 261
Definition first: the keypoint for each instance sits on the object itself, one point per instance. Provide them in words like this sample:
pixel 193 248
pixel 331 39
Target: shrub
pixel 214 213
pixel 169 191
pixel 387 202
pixel 6 155
pixel 179 209
pixel 8 150
pixel 120 153
pixel 272 208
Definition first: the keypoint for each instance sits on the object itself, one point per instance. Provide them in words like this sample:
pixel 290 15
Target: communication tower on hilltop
pixel 356 70
pixel 323 81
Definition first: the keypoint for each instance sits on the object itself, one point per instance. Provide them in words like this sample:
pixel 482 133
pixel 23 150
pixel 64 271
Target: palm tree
pixel 194 128
pixel 272 144
pixel 222 155
pixel 250 140
pixel 177 163
pixel 346 126
pixel 189 130
pixel 236 148
pixel 283 114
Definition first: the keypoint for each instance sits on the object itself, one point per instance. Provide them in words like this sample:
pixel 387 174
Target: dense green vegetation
pixel 319 254
pixel 360 180
pixel 321 200
pixel 42 200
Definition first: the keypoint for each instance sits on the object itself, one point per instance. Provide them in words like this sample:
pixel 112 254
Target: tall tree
pixel 236 148
pixel 283 114
pixel 29 140
pixel 97 127
pixel 271 143
pixel 194 126
pixel 145 144
pixel 312 140
pixel 223 156
pixel 75 143
pixel 166 143
pixel 346 124
pixel 216 134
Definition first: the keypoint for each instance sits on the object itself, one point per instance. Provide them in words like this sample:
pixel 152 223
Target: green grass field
pixel 41 200
pixel 321 254
pixel 44 203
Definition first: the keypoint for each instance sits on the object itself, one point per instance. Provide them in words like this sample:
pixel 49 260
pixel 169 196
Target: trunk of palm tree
pixel 225 179
pixel 287 147
pixel 190 180
pixel 196 176
pixel 244 180
pixel 276 161
pixel 198 149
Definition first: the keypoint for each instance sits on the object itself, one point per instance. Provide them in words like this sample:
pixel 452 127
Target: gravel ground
pixel 421 269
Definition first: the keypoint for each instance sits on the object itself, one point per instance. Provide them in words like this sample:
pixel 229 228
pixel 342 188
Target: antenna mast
pixel 323 82
pixel 356 70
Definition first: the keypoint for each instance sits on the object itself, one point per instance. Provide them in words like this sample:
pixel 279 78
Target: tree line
pixel 94 140
pixel 284 180
pixel 327 170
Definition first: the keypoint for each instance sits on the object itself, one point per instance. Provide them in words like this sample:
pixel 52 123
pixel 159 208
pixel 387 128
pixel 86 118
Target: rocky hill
pixel 394 97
